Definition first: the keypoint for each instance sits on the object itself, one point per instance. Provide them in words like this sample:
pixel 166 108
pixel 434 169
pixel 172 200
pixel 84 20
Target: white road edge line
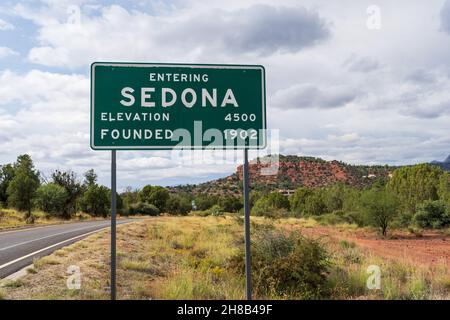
pixel 6 231
pixel 49 236
pixel 49 247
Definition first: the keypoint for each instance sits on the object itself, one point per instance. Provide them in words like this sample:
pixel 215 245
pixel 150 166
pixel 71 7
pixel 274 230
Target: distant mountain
pixel 292 172
pixel 443 164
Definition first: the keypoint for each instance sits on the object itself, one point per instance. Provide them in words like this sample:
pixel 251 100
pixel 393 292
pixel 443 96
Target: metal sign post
pixel 248 272
pixel 113 224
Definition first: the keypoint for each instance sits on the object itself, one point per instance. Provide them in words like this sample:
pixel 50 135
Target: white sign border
pixel 201 66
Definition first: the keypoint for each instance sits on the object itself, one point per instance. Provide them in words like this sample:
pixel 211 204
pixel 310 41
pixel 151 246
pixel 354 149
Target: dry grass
pixel 187 258
pixel 10 218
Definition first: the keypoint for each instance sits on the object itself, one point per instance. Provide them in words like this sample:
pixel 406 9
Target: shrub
pixel 179 205
pixel 273 205
pixel 155 195
pixel 143 208
pixel 314 205
pixel 331 219
pixel 201 213
pixel 404 219
pixel 230 203
pixel 95 200
pixel 432 214
pixel 205 201
pixel 297 200
pixel 286 265
pixel 216 210
pixel 51 198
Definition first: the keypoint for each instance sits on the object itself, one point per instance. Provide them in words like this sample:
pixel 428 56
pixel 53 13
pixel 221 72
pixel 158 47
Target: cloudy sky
pixel 366 82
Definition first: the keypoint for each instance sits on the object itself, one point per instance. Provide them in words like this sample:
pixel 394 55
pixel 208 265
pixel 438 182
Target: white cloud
pixel 361 64
pixel 7 52
pixel 307 95
pixel 117 33
pixel 5 25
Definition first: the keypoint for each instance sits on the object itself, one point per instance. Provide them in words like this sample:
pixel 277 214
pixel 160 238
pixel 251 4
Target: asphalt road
pixel 18 248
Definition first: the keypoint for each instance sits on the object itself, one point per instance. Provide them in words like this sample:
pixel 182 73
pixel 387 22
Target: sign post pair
pixel 156 106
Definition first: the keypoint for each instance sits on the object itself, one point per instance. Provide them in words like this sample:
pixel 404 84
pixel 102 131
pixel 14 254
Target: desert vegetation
pixel 317 243
pixel 202 258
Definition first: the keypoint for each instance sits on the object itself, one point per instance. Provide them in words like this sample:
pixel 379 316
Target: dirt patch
pixel 430 249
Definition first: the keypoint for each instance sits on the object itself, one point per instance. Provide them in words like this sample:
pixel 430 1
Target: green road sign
pixel 167 106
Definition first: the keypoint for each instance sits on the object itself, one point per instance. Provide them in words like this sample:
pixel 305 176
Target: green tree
pixel 90 177
pixel 432 214
pixel 68 180
pixel 230 203
pixel 444 189
pixel 273 204
pixel 350 198
pixel 96 200
pixel 51 198
pixel 155 195
pixel 314 204
pixel 205 201
pixel 178 204
pixel 129 197
pixel 6 176
pixel 298 200
pixel 413 185
pixel 143 208
pixel 333 197
pixel 22 188
pixel 380 208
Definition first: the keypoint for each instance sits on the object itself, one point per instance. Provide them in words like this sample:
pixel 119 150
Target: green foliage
pixel 143 208
pixel 6 176
pixel 74 189
pixel 432 214
pixel 95 200
pixel 205 201
pixel 230 203
pixel 333 197
pixel 314 204
pixel 129 197
pixel 216 210
pixel 90 177
pixel 273 204
pixel 298 200
pixel 413 185
pixel 286 265
pixel 155 195
pixel 22 188
pixel 178 204
pixel 51 198
pixel 380 208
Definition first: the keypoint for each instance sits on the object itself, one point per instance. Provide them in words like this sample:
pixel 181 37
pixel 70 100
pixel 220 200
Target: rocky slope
pixel 290 173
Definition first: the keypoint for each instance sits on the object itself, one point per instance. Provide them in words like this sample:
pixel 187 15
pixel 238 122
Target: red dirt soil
pixel 430 249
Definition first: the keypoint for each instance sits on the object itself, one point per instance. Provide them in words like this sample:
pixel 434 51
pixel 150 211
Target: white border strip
pixel 192 66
